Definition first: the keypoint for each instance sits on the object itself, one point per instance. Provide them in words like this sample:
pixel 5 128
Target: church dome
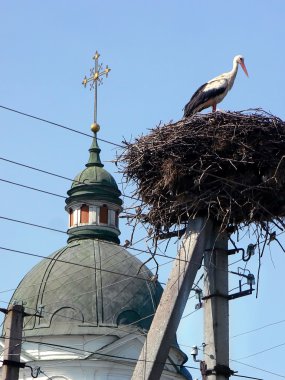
pixel 94 201
pixel 88 287
pixel 94 181
pixel 95 175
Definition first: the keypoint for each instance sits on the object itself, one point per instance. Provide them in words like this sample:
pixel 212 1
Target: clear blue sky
pixel 159 52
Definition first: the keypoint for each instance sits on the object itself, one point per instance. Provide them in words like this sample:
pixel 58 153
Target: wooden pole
pixel 12 332
pixel 170 309
pixel 216 307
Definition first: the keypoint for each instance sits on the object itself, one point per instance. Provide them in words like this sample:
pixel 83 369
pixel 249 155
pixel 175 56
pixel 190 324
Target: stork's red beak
pixel 244 68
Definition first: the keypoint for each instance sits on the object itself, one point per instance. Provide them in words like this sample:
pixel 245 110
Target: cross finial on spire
pixel 96 79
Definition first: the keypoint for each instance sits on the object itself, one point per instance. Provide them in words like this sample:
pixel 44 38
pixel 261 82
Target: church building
pixel 88 308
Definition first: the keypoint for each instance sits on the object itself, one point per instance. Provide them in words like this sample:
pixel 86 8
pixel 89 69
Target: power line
pixel 76 264
pixel 133 359
pixel 62 196
pixel 48 378
pixel 69 179
pixel 64 232
pixel 67 275
pixel 33 188
pixel 39 170
pixel 80 320
pixel 55 230
pixel 51 174
pixel 32 224
pixel 109 142
pixel 66 283
pixel 98 353
pixel 257 329
pixel 246 332
pixel 57 125
pixel 259 369
pixel 261 352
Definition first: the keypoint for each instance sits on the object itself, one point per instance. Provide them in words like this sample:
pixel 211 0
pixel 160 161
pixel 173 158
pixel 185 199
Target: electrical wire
pixel 54 174
pixel 138 332
pixel 261 352
pixel 85 134
pixel 140 251
pixel 76 296
pixel 100 354
pixel 40 170
pixel 259 369
pixel 67 275
pixel 257 329
pixel 76 264
pixel 106 141
pixel 48 378
pixel 33 224
pixel 129 247
pixel 66 178
pixel 57 125
pixel 32 188
pixel 188 315
pixel 247 377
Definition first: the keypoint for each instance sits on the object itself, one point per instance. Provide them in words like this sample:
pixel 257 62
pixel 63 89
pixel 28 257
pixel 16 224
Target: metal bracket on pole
pixel 246 255
pixel 250 281
pixel 220 369
pixel 13 363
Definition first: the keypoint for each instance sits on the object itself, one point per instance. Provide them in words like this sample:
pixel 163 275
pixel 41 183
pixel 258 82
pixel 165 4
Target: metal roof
pixel 95 291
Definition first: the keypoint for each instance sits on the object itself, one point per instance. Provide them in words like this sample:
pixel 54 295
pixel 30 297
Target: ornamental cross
pixel 96 79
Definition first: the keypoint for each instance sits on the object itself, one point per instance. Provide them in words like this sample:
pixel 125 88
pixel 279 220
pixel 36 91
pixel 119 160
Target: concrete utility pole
pixel 216 309
pixel 170 309
pixel 12 332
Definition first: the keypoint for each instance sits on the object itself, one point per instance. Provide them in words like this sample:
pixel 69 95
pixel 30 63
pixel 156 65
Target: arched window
pixel 70 217
pixel 84 214
pixel 104 214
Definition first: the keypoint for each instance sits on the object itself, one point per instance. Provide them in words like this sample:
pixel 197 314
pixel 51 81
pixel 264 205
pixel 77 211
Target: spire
pixel 94 157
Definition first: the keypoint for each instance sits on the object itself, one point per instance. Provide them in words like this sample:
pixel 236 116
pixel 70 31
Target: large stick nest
pixel 229 166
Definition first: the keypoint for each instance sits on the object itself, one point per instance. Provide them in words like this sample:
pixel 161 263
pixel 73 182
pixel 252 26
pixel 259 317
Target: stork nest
pixel 228 166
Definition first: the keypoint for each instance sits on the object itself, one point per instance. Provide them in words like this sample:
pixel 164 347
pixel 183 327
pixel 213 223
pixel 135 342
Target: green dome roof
pixel 99 291
pixel 94 182
pixel 95 175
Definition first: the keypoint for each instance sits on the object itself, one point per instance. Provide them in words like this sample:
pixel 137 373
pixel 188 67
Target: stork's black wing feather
pixel 202 95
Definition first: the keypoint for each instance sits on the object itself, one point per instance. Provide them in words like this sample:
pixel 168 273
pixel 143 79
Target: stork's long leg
pixel 214 107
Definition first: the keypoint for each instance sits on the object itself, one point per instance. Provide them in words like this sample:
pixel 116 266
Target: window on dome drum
pixel 70 217
pixel 112 217
pixel 84 214
pixel 117 219
pixel 104 214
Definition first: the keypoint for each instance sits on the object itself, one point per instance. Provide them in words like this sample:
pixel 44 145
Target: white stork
pixel 214 91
